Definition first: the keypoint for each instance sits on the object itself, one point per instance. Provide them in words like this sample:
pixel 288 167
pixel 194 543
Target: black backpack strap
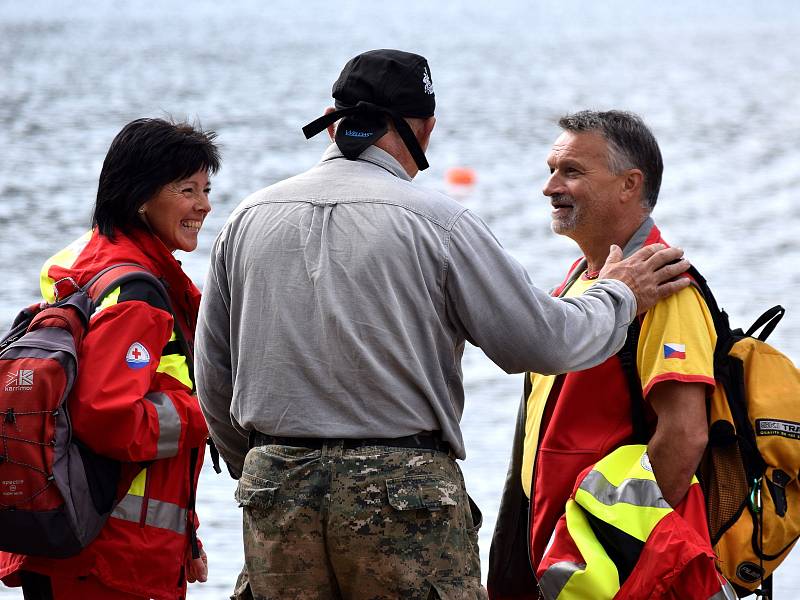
pixel 720 318
pixel 115 276
pixel 627 359
pixel 212 450
pixel 729 373
pixel 193 456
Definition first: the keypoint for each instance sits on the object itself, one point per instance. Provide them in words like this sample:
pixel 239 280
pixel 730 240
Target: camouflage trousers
pixel 371 523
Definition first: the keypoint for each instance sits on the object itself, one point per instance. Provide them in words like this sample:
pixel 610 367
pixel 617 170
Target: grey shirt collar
pixel 639 237
pixel 373 155
pixel 637 241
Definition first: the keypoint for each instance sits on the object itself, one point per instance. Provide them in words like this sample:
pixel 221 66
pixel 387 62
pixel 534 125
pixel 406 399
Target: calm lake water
pixel 717 81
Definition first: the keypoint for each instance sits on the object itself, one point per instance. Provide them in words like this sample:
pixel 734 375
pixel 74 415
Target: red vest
pixel 588 414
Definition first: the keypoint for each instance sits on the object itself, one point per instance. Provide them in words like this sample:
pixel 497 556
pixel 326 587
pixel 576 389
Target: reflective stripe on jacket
pixel 620 539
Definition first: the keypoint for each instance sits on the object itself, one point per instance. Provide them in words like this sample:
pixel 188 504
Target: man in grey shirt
pixel 329 344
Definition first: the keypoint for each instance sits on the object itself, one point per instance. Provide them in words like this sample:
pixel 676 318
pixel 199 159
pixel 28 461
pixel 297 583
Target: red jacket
pixel 140 412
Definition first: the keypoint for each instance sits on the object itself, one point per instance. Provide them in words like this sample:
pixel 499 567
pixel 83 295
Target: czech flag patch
pixel 674 350
pixel 137 356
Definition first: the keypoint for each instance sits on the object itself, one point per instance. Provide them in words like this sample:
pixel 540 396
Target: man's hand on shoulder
pixel 650 272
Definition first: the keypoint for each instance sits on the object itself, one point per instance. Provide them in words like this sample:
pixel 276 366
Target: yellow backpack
pixel 749 471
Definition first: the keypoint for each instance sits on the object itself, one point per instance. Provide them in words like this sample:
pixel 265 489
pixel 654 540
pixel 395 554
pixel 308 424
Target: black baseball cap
pixel 373 88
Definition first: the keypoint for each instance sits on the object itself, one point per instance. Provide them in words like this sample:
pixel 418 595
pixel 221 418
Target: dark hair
pixel 631 145
pixel 144 157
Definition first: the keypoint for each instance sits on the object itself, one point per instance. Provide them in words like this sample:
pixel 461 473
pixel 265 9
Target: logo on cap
pixel 137 356
pixel 356 133
pixel 426 81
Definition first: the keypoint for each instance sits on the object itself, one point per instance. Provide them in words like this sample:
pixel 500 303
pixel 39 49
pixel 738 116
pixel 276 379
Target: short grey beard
pixel 561 227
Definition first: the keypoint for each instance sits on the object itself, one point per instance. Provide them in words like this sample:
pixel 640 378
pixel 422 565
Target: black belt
pixel 426 440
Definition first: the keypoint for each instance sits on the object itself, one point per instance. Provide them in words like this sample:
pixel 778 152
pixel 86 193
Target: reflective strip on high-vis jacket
pixel 570 581
pixel 622 491
pixel 110 300
pixel 175 365
pixel 632 507
pixel 164 515
pixel 640 492
pixel 65 258
pixel 169 424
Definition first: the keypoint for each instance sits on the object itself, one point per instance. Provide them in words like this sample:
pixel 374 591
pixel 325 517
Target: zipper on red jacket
pixel 145 499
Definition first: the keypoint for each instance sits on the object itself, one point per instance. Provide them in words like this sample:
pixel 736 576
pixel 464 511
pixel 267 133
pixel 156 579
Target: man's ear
pixel 425 132
pixel 632 185
pixel 332 127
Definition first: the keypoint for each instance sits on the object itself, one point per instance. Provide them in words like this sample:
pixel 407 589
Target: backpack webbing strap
pixel 193 455
pixel 728 372
pixel 114 276
pixel 722 325
pixel 766 587
pixel 214 452
pixel 627 359
pixel 627 356
pixel 769 320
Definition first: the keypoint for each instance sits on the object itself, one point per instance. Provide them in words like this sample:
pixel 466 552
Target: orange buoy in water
pixel 460 176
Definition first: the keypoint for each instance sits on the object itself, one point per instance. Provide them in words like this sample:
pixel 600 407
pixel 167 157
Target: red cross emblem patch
pixel 137 356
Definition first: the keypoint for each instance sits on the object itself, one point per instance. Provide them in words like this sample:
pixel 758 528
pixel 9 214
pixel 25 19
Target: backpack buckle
pixel 65 287
pixel 755 496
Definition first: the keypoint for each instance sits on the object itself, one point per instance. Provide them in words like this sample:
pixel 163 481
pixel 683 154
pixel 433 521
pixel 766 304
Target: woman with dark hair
pixel 133 401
